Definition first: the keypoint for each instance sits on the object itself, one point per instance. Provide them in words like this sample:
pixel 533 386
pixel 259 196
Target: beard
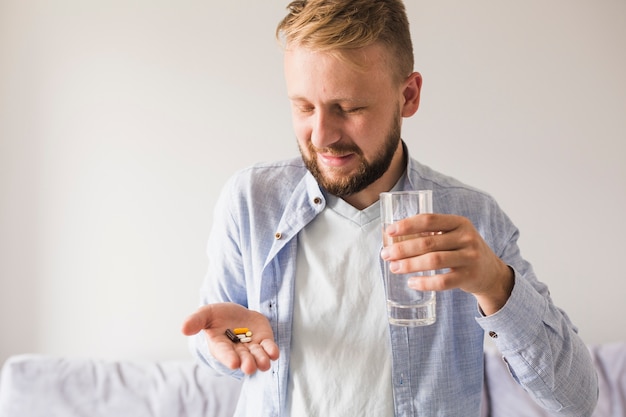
pixel 367 171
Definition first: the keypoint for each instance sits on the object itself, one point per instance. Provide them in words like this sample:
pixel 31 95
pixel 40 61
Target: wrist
pixel 491 302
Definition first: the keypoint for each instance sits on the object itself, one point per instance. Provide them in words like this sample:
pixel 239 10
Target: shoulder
pixel 451 196
pixel 264 187
pixel 445 187
pixel 270 175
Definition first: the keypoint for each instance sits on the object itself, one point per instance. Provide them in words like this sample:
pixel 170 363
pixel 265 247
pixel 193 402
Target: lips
pixel 335 160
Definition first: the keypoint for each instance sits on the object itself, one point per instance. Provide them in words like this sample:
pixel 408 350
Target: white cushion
pixel 43 386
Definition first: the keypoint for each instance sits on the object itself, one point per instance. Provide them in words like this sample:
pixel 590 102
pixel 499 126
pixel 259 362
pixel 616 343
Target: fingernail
pixel 394 266
pixel 391 229
pixel 384 254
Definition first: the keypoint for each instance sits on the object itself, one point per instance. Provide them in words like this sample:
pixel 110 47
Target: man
pixel 295 252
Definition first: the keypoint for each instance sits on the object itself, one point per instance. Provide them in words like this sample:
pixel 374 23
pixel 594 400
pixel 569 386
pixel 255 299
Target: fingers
pixel 434 245
pixel 424 223
pixel 257 356
pixel 225 352
pixel 447 244
pixel 431 240
pixel 249 357
pixel 439 282
pixel 271 348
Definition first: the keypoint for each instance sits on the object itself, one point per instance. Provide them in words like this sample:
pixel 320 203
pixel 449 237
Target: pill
pixel 231 335
pixel 241 336
pixel 248 333
pixel 241 330
pixel 246 340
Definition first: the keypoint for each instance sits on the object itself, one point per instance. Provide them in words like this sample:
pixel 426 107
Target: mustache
pixel 336 150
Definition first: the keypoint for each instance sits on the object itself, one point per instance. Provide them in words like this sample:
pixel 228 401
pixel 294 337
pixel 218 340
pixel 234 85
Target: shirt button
pixel 278 235
pixel 317 200
pixel 493 335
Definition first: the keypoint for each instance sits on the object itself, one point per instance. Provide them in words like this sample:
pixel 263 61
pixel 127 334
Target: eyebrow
pixel 333 101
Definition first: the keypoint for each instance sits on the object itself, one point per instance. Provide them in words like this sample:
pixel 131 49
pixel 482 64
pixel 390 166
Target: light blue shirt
pixel 437 370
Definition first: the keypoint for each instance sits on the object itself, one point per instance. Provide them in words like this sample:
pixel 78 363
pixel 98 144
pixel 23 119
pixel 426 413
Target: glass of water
pixel 405 306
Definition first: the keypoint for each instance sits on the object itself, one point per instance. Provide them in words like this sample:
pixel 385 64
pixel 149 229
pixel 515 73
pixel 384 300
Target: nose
pixel 325 129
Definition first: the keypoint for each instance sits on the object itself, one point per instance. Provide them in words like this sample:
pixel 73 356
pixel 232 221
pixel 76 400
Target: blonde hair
pixel 336 25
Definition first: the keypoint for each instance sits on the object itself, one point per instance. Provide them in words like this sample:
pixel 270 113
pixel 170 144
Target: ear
pixel 411 93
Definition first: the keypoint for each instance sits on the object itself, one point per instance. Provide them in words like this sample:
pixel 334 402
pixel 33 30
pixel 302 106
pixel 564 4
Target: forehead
pixel 363 70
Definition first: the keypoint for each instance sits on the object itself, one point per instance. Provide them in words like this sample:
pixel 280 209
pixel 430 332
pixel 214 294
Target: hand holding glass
pixel 405 306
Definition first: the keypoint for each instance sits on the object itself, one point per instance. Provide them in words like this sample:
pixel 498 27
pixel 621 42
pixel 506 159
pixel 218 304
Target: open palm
pixel 214 319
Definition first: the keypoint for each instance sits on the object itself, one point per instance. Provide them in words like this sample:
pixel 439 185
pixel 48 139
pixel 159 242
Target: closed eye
pixel 354 110
pixel 304 109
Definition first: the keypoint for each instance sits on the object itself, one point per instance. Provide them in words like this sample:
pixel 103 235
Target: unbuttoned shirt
pixel 437 370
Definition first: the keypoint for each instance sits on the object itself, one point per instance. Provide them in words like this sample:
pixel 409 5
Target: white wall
pixel 120 120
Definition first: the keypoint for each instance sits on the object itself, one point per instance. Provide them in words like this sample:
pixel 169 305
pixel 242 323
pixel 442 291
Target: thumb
pixel 197 321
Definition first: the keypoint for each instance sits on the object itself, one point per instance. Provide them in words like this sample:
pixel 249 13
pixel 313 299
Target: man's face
pixel 347 119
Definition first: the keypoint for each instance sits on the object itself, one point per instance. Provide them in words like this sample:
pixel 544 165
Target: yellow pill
pixel 248 333
pixel 241 330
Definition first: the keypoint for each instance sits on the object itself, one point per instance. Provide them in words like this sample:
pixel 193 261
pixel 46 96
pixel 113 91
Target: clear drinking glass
pixel 405 306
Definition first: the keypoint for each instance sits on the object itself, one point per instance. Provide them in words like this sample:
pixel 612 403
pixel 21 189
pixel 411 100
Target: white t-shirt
pixel 340 363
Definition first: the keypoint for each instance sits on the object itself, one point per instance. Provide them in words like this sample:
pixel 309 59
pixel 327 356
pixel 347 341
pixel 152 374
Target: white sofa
pixel 45 386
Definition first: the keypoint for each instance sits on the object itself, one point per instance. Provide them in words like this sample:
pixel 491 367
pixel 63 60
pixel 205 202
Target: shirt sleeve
pixel 543 351
pixel 537 340
pixel 223 281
